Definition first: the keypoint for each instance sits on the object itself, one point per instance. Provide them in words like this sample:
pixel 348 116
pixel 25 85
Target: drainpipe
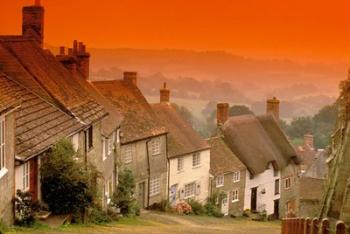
pixel 149 171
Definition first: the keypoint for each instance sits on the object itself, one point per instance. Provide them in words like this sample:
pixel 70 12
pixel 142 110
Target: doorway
pixel 141 194
pixel 224 205
pixel 276 205
pixel 253 199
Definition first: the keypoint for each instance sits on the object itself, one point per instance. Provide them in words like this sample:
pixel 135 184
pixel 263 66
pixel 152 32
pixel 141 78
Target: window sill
pixel 195 167
pixel 153 195
pixel 3 172
pixel 179 172
pixel 234 201
pixel 236 181
pixel 219 186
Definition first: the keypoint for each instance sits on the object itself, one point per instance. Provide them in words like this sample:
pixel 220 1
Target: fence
pixel 311 226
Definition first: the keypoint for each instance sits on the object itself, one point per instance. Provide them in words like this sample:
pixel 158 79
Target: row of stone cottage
pixel 44 98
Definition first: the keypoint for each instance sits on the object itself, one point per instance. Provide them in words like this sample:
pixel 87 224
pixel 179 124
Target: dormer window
pixel 196 160
pixel 236 176
pixel 155 146
pixel 220 181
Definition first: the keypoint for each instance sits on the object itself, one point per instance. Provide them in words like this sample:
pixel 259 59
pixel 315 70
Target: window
pixel 89 138
pixel 190 190
pixel 277 186
pixel 196 159
pixel 154 186
pixel 109 146
pixel 180 164
pixel 2 144
pixel 127 153
pixel 26 168
pixel 220 181
pixel 287 183
pixel 236 176
pixel 104 156
pixel 75 141
pixel 155 146
pixel 108 190
pixel 235 195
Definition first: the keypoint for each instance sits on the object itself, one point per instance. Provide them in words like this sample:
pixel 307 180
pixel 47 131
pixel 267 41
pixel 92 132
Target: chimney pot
pixel 130 77
pixel 70 51
pixel 80 47
pixel 164 94
pixel 222 113
pixel 309 140
pixel 37 3
pixel 273 107
pixel 62 50
pixel 75 47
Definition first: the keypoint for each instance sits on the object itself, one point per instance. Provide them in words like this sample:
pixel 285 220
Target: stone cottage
pixel 227 171
pixel 188 154
pixel 143 147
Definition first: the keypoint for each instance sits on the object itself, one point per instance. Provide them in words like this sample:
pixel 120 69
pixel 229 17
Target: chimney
pixel 33 22
pixel 62 50
pixel 222 113
pixel 83 58
pixel 309 140
pixel 164 94
pixel 273 107
pixel 130 77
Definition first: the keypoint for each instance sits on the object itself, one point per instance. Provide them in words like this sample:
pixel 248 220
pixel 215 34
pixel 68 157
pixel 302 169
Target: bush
pixel 67 185
pixel 197 207
pixel 161 206
pixel 212 210
pixel 99 216
pixel 123 197
pixel 183 208
pixel 24 209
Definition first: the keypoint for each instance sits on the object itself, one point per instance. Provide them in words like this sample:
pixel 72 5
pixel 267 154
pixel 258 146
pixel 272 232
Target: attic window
pixel 155 146
pixel 127 154
pixel 196 159
pixel 220 181
pixel 236 176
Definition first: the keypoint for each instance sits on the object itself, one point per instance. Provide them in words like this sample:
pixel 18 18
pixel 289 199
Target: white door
pixel 224 205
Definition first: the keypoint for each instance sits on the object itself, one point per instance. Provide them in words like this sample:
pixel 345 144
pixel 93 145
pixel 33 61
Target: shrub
pixel 161 206
pixel 183 208
pixel 123 197
pixel 212 210
pixel 197 207
pixel 99 216
pixel 24 209
pixel 67 185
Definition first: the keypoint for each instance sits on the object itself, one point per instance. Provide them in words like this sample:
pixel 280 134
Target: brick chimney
pixel 222 113
pixel 273 107
pixel 309 140
pixel 77 59
pixel 164 94
pixel 130 77
pixel 33 22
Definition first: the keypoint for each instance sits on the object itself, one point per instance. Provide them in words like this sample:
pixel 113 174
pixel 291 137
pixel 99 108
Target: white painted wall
pixel 189 174
pixel 265 180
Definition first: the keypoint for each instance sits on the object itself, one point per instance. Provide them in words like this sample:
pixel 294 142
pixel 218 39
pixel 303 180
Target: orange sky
pixel 297 29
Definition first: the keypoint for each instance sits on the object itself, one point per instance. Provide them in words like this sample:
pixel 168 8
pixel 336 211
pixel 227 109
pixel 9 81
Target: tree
pixel 237 110
pixel 123 198
pixel 67 185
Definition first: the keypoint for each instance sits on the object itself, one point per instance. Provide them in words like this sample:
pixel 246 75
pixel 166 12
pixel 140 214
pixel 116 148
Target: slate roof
pixel 182 138
pixel 140 122
pixel 38 70
pixel 258 141
pixel 39 124
pixel 222 159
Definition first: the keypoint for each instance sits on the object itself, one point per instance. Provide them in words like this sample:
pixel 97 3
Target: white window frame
pixel 155 146
pixel 75 141
pixel 154 186
pixel 287 183
pixel 235 195
pixel 236 177
pixel 190 190
pixel 3 169
pixel 220 181
pixel 104 154
pixel 127 154
pixel 180 164
pixel 109 146
pixel 26 176
pixel 196 160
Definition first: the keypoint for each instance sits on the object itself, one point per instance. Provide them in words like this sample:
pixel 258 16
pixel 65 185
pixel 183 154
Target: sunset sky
pixel 296 29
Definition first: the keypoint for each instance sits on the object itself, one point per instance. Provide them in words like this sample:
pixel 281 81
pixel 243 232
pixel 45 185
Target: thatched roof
pixel 258 141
